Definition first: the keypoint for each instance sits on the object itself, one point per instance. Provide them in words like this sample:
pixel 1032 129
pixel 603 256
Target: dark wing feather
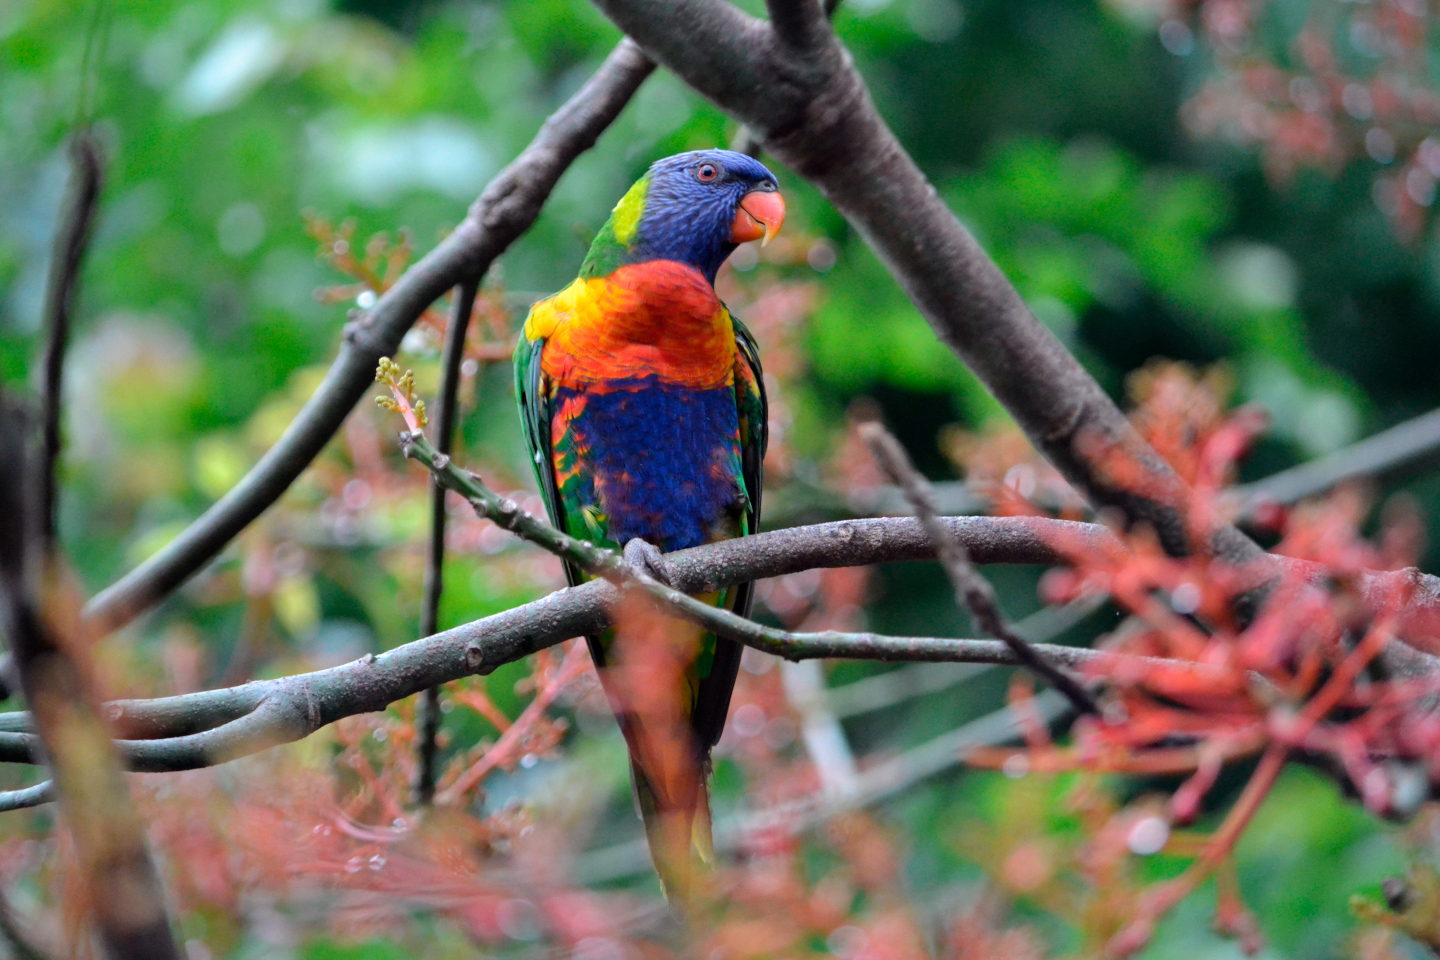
pixel 532 388
pixel 713 700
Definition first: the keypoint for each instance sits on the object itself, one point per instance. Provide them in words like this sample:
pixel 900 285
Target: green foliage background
pixel 1050 126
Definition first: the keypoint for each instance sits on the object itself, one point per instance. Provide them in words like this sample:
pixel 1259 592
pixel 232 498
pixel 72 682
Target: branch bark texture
pixel 794 84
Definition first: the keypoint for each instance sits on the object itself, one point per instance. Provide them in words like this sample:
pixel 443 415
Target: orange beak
pixel 760 215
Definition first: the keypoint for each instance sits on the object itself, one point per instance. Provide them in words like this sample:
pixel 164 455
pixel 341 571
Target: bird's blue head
pixel 693 208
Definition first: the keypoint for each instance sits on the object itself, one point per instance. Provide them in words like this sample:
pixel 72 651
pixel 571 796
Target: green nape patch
pixel 625 218
pixel 613 242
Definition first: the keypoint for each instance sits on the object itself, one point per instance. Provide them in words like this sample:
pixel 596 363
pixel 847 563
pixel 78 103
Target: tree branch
pixel 813 112
pixel 1405 446
pixel 799 23
pixel 71 242
pixel 213 726
pixel 445 417
pixel 609 565
pixel 505 210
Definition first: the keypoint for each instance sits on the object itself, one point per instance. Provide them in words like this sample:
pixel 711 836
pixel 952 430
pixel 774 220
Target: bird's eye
pixel 707 172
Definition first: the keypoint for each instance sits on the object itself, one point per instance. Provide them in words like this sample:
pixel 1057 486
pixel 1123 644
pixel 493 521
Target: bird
pixel 643 406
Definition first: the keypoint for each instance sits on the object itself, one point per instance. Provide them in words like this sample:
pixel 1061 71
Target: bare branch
pixel 799 23
pixel 505 210
pixel 71 242
pixel 203 729
pixel 445 417
pixel 971 589
pixel 1404 446
pixel 214 726
pixel 121 886
pixel 812 110
pixel 600 562
pixel 896 686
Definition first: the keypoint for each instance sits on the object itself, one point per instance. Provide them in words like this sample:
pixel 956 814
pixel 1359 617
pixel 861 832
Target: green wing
pixel 532 389
pixel 712 702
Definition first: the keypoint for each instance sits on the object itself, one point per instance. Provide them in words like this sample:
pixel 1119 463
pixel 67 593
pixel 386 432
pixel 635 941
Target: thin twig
pixel 1405 446
pixel 916 680
pixel 71 243
pixel 506 209
pixel 445 418
pixel 972 590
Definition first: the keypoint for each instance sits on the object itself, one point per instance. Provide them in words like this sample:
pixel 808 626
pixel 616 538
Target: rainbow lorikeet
pixel 644 409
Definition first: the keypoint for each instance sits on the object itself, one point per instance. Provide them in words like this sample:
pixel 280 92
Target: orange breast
pixel 658 319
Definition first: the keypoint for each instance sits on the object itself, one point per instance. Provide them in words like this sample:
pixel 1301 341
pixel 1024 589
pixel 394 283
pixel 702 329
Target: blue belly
pixel 662 461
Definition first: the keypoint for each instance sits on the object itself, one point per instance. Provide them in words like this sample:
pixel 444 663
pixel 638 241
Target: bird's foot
pixel 647 559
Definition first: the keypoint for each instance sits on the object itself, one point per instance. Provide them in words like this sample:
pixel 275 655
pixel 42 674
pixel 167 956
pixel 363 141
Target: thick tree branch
pixel 445 417
pixel 799 23
pixel 812 111
pixel 505 210
pixel 121 888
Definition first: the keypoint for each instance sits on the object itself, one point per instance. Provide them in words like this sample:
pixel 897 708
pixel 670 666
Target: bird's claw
pixel 644 557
